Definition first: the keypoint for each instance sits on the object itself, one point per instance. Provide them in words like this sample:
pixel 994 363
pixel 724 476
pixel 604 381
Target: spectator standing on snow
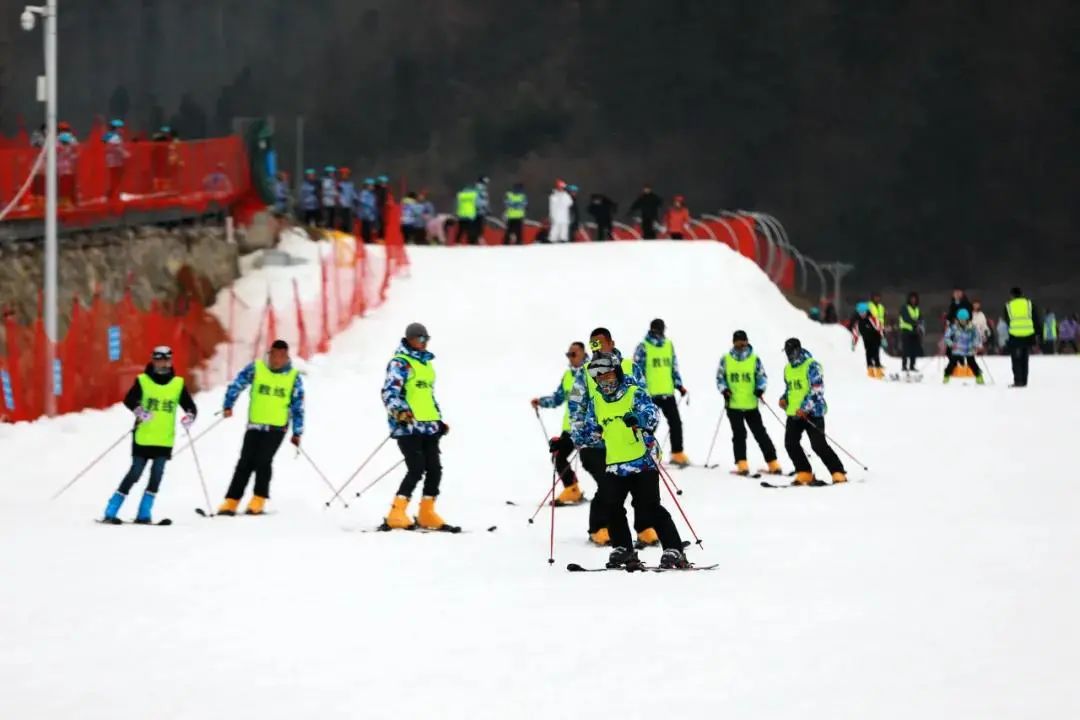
pixel 515 205
pixel 116 156
pixel 282 195
pixel 981 324
pixel 367 210
pixel 309 198
pixel 382 191
pixel 677 220
pixel 647 205
pixel 559 203
pixel 346 199
pixel 1069 330
pixel 1023 334
pixel 329 195
pixel 602 209
pixel 483 203
pixel 575 215
pixel 959 300
pixel 1049 333
pixel 412 220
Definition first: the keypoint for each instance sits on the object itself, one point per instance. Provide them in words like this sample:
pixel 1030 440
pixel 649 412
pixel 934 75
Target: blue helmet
pixel 384 179
pixel 66 138
pixel 330 169
pixel 862 308
pixel 116 123
pixel 309 171
pixel 963 314
pixel 572 188
pixel 369 181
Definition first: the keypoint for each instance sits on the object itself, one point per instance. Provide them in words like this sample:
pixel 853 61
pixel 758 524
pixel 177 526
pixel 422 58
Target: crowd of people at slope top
pixel 333 200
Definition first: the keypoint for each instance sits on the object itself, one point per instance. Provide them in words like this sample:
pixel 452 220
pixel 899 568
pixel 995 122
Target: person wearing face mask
pixel 416 423
pixel 154 399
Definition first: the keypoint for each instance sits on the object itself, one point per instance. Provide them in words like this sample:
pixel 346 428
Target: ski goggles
pixel 420 338
pixel 162 352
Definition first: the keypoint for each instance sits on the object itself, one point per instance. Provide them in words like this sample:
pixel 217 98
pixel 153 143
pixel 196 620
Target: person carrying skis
pixel 962 341
pixel 741 379
pixel 154 399
pixel 864 324
pixel 655 359
pixel 591 446
pixel 624 416
pixel 911 332
pixel 277 395
pixel 562 446
pixel 408 394
pixel 804 403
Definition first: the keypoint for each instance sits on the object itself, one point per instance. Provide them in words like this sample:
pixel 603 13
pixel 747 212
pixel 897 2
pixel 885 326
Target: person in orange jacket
pixel 678 219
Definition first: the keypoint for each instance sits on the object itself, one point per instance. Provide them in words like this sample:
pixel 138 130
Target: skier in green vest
pixel 741 379
pixel 516 204
pixel 626 418
pixel 911 332
pixel 467 199
pixel 562 446
pixel 408 394
pixel 154 399
pixel 655 359
pixel 277 395
pixel 1024 329
pixel 804 403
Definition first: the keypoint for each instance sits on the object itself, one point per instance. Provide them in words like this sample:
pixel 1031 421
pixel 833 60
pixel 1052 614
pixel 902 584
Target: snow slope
pixel 941 584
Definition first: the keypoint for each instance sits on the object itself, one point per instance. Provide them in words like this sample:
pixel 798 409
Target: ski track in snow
pixel 944 586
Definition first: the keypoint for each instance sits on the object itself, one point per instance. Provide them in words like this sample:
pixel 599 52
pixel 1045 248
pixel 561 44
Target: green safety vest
pixel 590 384
pixel 161 401
pixel 1050 329
pixel 420 390
pixel 466 204
pixel 622 444
pixel 797 380
pixel 271 394
pixel 878 311
pixel 658 363
pixel 1021 320
pixel 739 375
pixel 515 206
pixel 915 313
pixel 567 386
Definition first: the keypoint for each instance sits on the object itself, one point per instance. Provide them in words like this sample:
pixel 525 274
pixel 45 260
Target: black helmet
pixel 792 348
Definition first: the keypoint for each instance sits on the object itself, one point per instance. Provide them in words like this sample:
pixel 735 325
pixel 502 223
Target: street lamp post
pixel 29 15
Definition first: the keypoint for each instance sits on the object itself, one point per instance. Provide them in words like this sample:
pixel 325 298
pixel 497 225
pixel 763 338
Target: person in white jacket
pixel 559 203
pixel 981 324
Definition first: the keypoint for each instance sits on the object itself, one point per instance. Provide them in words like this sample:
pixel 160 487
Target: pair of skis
pixel 574 567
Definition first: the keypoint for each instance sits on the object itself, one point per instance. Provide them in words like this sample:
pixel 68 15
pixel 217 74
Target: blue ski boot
pixel 146 505
pixel 113 508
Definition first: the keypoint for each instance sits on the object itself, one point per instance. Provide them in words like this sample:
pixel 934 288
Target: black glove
pixel 443 428
pixel 759 393
pixel 553 444
pixel 682 390
pixel 631 420
pixel 726 393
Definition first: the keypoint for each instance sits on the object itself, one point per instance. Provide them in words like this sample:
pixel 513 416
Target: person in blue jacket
pixel 367 211
pixel 309 198
pixel 346 198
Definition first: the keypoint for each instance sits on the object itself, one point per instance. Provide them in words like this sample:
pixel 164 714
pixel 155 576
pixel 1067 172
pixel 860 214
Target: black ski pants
pixel 367 231
pixel 256 456
pixel 594 460
pixel 648 228
pixel 138 464
pixel 421 461
pixel 514 230
pixel 740 419
pixel 968 360
pixel 1019 350
pixel 644 489
pixel 603 231
pixel 670 407
pixel 563 449
pixel 911 346
pixel 873 351
pixel 815 428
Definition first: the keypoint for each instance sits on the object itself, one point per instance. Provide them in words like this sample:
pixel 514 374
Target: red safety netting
pixel 151 177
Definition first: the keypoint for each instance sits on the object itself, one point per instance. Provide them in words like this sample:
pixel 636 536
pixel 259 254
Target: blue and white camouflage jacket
pixel 639 358
pixel 329 191
pixel 309 195
pixel 393 394
pixel 961 340
pixel 579 402
pixel 761 380
pixel 814 404
pixel 366 205
pixel 558 397
pixel 346 194
pixel 648 416
pixel 296 402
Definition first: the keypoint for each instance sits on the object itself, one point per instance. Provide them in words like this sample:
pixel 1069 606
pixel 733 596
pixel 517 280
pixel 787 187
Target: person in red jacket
pixel 678 219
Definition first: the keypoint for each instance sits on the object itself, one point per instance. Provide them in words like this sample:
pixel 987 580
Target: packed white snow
pixel 940 583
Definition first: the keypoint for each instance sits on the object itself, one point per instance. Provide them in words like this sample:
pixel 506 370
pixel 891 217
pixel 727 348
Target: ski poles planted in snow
pixel 551 490
pixel 716 434
pixel 94 462
pixel 357 471
pixel 666 477
pixel 198 469
pixel 301 451
pixel 384 474
pixel 833 441
pixel 551 540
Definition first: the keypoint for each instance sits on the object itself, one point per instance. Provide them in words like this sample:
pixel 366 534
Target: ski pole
pixel 551 492
pixel 656 459
pixel 357 471
pixel 986 364
pixel 301 451
pixel 828 437
pixel 94 462
pixel 773 413
pixel 198 469
pixel 543 428
pixel 551 541
pixel 384 474
pixel 665 477
pixel 191 441
pixel 716 434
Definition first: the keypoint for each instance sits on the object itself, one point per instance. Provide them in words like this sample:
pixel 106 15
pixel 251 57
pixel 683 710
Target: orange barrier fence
pixel 98 182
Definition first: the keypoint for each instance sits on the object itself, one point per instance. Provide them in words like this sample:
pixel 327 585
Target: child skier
pixel 153 398
pixel 962 341
pixel 865 324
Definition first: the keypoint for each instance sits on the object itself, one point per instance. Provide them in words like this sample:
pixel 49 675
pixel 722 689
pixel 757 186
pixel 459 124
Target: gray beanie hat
pixel 415 330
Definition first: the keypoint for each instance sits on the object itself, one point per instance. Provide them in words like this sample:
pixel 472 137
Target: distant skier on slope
pixel 277 395
pixel 911 332
pixel 624 416
pixel 741 379
pixel 655 359
pixel 408 394
pixel 963 341
pixel 864 324
pixel 804 402
pixel 562 446
pixel 591 446
pixel 154 399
